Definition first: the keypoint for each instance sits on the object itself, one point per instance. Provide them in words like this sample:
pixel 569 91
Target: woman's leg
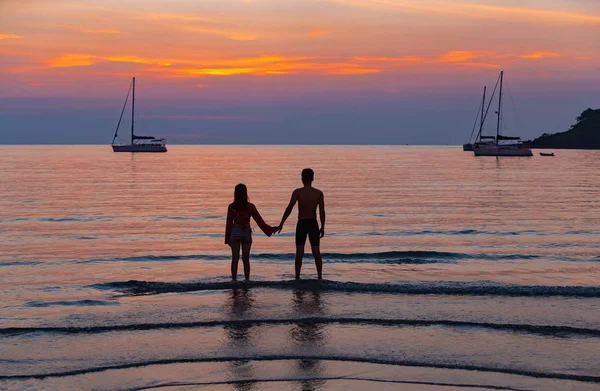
pixel 246 257
pixel 235 258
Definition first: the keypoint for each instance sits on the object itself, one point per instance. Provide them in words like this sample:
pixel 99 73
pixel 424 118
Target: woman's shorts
pixel 241 234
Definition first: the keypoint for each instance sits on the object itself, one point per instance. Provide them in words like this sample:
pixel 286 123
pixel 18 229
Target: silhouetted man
pixel 308 199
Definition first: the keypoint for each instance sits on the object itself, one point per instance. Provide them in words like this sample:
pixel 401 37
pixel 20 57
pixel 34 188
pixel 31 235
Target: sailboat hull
pixel 467 147
pixel 139 148
pixel 502 150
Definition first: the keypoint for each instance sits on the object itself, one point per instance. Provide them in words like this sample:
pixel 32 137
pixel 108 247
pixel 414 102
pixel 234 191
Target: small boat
pixel 138 143
pixel 499 147
pixel 546 154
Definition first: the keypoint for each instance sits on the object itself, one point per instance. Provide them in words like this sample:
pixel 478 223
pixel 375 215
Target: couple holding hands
pixel 238 233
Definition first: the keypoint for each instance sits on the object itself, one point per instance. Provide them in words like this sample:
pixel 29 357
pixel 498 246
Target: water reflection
pixel 240 302
pixel 309 337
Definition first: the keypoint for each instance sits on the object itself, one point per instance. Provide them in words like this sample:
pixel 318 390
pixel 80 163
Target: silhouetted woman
pixel 238 233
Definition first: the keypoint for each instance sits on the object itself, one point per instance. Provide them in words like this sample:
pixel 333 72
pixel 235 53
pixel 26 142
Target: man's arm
pixel 288 210
pixel 322 214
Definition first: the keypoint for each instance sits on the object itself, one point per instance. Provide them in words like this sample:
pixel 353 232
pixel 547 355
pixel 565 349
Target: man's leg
pixel 299 255
pixel 315 242
pixel 316 251
pixel 300 242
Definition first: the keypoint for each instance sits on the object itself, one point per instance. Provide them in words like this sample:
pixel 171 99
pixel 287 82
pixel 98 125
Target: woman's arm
pixel 261 223
pixel 228 225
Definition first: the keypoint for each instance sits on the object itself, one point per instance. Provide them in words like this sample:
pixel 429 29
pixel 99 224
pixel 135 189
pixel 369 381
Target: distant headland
pixel 585 134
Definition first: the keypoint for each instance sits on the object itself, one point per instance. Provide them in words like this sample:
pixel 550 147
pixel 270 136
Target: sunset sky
pixel 293 71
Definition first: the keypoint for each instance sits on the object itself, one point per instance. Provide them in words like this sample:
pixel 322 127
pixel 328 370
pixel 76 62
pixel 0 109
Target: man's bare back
pixel 308 200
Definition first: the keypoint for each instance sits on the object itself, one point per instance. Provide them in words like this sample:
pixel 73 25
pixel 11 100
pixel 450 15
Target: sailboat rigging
pixel 496 147
pixel 138 143
pixel 468 146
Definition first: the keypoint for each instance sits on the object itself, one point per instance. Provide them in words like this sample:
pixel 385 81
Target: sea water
pixel 441 271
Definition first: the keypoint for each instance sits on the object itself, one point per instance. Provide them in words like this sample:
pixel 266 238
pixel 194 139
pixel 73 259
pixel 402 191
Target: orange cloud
pixel 461 58
pixel 10 36
pixel 285 65
pixel 353 71
pixel 268 59
pixel 45 84
pixel 222 71
pixel 201 24
pixel 317 33
pixel 77 60
pixel 412 59
pixel 233 35
pixel 180 17
pixel 265 65
pixel 473 10
pixel 279 68
pixel 71 60
pixel 539 55
pixel 132 59
pixel 450 57
pixel 91 30
pixel 457 56
pixel 480 65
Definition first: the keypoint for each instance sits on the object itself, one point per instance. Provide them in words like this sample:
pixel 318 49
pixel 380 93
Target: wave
pixel 454 233
pixel 388 257
pixel 408 363
pixel 20 263
pixel 70 303
pixel 14 220
pixel 324 378
pixel 188 218
pixel 135 287
pixel 72 219
pixel 547 330
pixel 468 232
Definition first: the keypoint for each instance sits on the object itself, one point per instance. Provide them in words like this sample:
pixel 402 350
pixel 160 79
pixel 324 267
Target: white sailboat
pixel 138 143
pixel 501 145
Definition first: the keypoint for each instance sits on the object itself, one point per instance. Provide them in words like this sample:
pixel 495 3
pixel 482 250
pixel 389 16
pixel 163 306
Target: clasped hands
pixel 277 229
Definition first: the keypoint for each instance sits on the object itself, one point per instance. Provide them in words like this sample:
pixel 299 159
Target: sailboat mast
pixel 482 111
pixel 499 107
pixel 133 111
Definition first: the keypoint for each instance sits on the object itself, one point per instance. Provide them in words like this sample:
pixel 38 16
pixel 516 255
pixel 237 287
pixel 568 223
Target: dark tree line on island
pixel 585 134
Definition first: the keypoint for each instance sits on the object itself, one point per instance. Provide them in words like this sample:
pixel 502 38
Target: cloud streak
pixel 231 34
pixel 473 10
pixel 540 55
pixel 294 65
pixel 317 33
pixel 91 30
pixel 10 36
